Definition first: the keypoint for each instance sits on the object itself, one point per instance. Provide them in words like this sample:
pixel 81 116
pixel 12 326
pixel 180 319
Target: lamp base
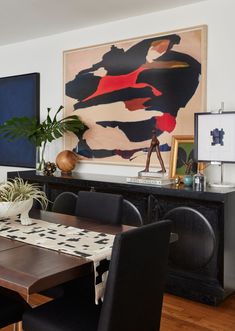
pixel 222 185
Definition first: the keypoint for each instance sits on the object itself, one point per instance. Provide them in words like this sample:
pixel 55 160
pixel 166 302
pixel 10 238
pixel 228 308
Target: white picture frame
pixel 215 137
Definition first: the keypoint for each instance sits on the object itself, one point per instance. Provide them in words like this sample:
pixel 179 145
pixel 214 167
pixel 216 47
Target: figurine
pixel 154 145
pixel 177 181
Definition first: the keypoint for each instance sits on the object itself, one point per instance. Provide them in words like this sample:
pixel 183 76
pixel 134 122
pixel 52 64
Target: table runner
pixel 95 246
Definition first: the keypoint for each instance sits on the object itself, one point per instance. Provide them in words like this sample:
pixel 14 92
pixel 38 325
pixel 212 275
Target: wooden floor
pixel 184 315
pixel 180 315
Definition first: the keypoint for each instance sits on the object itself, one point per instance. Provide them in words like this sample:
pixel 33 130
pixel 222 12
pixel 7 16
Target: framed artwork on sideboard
pixel 182 156
pixel 215 137
pixel 124 90
pixel 19 96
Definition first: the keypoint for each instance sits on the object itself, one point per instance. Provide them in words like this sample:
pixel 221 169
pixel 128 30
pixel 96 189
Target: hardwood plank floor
pixel 179 314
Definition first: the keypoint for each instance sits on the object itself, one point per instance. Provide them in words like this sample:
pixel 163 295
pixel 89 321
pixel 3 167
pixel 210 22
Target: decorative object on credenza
pixel 188 176
pixel 188 180
pixel 66 161
pixel 154 146
pixel 177 181
pixel 182 158
pixel 199 182
pixel 16 198
pixel 49 168
pixel 154 181
pixel 42 133
pixel 152 177
pixel 125 89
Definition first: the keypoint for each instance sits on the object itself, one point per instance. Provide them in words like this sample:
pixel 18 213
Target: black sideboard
pixel 202 261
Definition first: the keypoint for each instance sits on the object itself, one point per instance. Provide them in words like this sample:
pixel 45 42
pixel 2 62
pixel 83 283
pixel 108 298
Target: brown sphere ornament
pixel 66 161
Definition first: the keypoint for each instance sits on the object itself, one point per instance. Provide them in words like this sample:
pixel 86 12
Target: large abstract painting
pixel 124 90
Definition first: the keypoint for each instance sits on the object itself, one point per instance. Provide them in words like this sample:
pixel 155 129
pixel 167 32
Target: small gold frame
pixel 176 142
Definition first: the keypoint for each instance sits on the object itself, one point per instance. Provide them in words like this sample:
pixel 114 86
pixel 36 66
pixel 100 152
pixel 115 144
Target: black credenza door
pixel 196 260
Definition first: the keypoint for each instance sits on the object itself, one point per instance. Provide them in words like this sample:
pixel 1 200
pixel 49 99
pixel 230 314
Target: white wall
pixel 45 55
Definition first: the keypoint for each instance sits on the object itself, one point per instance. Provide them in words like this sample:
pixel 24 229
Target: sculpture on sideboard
pixel 154 146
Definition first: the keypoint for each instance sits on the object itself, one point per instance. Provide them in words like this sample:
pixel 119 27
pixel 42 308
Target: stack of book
pixel 158 181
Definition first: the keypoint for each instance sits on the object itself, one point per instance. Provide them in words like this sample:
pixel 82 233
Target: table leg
pixel 18 326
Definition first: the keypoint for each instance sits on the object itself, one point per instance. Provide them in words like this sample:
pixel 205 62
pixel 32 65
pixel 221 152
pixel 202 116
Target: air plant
pixel 19 190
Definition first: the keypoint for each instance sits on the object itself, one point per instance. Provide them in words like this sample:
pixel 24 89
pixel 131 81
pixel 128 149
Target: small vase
pixel 40 158
pixel 188 180
pixel 199 182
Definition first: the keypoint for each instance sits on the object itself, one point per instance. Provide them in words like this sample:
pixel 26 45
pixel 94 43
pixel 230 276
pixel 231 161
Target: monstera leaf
pixel 41 133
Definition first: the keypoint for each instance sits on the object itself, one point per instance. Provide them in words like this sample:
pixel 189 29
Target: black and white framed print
pixel 215 137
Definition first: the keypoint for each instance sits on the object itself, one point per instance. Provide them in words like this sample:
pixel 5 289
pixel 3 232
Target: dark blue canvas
pixel 19 96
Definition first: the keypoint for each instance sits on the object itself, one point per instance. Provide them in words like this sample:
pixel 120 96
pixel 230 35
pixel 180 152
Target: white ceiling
pixel 28 19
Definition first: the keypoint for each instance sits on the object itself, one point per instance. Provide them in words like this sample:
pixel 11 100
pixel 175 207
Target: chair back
pixel 134 289
pixel 104 207
pixel 130 214
pixel 65 203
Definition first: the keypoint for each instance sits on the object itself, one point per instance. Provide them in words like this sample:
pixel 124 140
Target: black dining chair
pixel 131 214
pixel 106 207
pixel 12 307
pixel 134 289
pixel 103 207
pixel 65 203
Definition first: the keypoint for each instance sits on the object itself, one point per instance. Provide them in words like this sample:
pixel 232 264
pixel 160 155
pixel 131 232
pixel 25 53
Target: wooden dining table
pixel 29 269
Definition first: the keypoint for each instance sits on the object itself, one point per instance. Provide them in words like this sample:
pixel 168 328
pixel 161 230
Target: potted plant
pixel 41 133
pixel 16 197
pixel 188 178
